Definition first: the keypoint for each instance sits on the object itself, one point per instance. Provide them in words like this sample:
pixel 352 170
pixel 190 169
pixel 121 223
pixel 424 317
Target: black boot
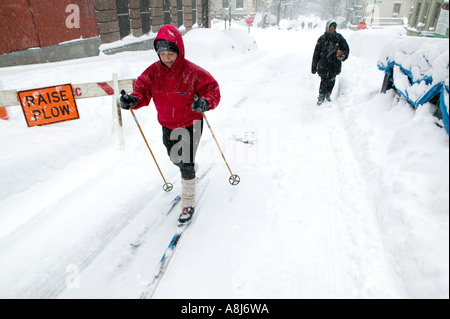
pixel 320 99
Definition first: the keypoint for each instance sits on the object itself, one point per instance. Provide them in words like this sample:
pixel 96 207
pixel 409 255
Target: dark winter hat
pixel 164 45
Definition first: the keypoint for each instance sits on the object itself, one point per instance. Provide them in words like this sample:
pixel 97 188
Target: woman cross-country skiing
pixel 330 51
pixel 181 91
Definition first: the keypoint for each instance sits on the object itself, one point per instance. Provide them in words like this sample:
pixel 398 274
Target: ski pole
pixel 234 179
pixel 167 187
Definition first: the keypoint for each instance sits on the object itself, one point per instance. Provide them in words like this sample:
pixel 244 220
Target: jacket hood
pixel 171 33
pixel 329 23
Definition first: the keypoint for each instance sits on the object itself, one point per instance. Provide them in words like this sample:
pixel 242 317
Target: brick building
pixel 36 31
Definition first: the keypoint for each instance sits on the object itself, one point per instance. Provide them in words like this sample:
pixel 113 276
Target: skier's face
pixel 168 58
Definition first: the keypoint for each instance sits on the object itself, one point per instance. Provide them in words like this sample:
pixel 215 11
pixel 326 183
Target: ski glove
pixel 127 101
pixel 199 105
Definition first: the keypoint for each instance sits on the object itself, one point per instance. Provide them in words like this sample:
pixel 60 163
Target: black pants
pixel 326 87
pixel 181 145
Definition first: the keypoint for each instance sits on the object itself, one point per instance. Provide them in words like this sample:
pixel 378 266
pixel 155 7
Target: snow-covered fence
pixel 418 68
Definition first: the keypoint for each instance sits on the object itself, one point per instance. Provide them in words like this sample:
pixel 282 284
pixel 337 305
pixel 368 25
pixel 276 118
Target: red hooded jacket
pixel 173 89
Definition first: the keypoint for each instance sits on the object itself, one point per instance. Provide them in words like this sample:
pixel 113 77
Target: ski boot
pixel 186 215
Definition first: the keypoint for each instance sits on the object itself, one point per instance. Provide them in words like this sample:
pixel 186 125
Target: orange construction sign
pixel 48 105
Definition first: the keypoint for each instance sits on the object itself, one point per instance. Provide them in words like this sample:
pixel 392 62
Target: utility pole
pixel 373 12
pixel 229 15
pixel 205 13
pixel 229 12
pixel 278 12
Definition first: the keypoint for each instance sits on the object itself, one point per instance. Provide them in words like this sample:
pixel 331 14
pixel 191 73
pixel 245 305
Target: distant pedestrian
pixel 330 51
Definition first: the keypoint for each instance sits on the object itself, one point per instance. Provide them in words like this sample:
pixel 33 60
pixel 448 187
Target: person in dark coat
pixel 330 51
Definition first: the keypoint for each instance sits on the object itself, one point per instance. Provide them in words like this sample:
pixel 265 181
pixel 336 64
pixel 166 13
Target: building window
pixel 194 11
pixel 239 4
pixel 397 8
pixel 416 15
pixel 166 12
pixel 435 17
pixel 145 16
pixel 123 16
pixel 427 12
pixel 180 19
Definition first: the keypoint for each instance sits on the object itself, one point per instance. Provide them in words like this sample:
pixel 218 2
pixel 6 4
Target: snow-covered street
pixel 349 199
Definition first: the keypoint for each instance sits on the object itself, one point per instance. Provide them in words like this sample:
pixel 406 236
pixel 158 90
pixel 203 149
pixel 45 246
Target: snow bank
pixel 244 41
pixel 128 40
pixel 368 43
pixel 209 44
pixel 213 45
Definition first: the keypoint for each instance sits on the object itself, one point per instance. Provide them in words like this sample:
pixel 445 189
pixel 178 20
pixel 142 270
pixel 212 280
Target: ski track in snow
pixel 52 271
pixel 301 224
pixel 330 213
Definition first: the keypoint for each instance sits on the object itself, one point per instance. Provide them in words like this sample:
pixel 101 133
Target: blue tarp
pixel 444 105
pixel 418 69
pixel 430 92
